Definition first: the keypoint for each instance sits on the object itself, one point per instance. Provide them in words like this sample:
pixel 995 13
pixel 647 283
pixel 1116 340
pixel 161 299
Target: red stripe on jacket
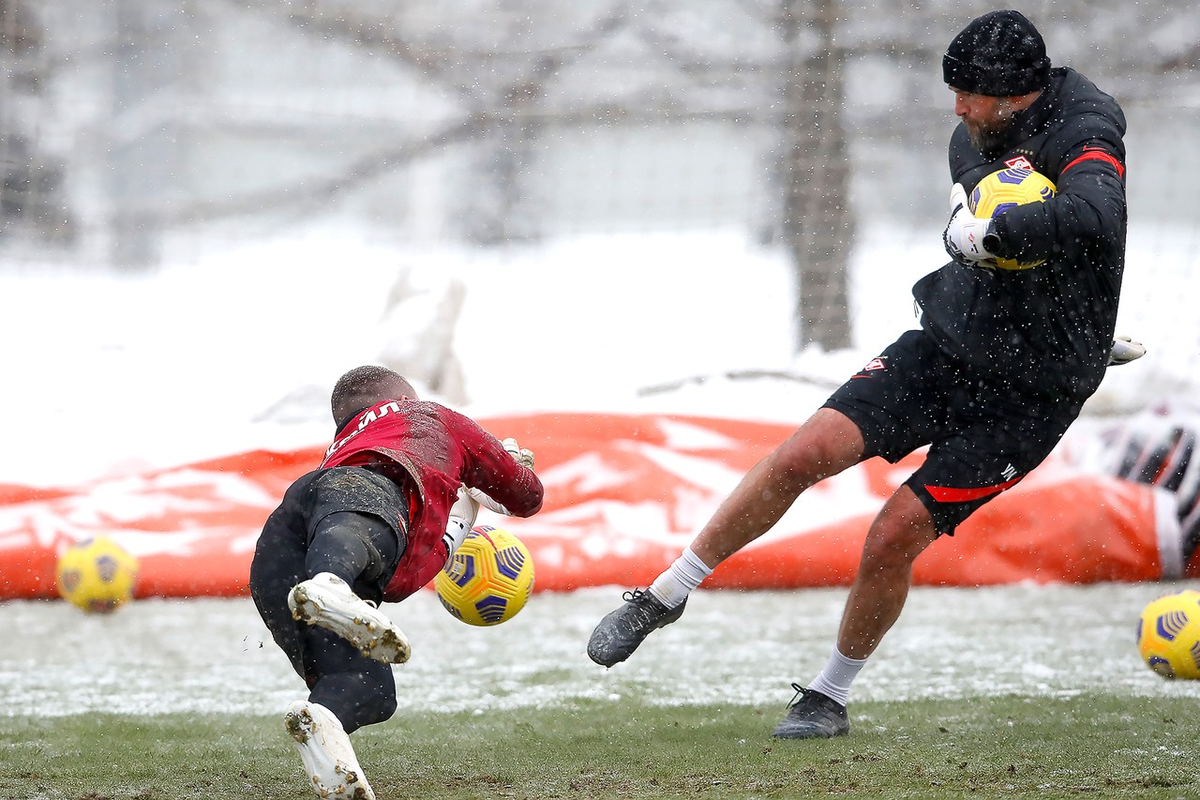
pixel 1096 154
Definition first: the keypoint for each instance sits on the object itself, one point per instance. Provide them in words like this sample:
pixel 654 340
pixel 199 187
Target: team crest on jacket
pixel 874 365
pixel 1020 162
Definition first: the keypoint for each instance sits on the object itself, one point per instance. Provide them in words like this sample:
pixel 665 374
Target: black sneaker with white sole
pixel 620 632
pixel 812 715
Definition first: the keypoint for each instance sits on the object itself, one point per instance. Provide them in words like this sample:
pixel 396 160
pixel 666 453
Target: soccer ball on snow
pixel 1169 635
pixel 1004 190
pixel 97 575
pixel 488 579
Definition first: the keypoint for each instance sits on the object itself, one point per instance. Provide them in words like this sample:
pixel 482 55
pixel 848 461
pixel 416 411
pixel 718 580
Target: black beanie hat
pixel 1000 54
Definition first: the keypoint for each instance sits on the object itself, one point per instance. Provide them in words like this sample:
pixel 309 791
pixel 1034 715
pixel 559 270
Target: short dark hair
pixel 1000 54
pixel 365 386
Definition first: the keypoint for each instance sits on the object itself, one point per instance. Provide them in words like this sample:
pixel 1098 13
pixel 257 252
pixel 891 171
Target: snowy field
pixel 217 354
pixel 741 648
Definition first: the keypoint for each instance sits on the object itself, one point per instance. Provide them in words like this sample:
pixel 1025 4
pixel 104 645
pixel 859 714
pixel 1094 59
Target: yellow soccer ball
pixel 1168 635
pixel 489 578
pixel 96 575
pixel 1006 189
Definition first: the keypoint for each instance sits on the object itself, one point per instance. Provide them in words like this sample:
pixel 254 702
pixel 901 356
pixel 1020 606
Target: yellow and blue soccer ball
pixel 1004 190
pixel 489 578
pixel 1168 635
pixel 96 575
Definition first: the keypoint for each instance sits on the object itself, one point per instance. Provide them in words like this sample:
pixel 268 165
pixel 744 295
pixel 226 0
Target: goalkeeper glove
pixel 964 233
pixel 487 502
pixel 521 455
pixel 461 520
pixel 1124 350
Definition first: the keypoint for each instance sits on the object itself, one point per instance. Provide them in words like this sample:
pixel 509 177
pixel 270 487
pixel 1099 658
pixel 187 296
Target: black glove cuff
pixel 992 239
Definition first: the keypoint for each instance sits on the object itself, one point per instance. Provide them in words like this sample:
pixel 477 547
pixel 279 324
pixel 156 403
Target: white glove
pixel 963 236
pixel 1124 350
pixel 521 455
pixel 461 520
pixel 487 502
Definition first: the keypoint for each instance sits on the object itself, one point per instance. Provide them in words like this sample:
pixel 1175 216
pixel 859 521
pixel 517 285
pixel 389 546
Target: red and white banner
pixel 624 494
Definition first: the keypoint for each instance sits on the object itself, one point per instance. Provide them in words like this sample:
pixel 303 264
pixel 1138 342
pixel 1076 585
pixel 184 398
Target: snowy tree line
pixel 128 125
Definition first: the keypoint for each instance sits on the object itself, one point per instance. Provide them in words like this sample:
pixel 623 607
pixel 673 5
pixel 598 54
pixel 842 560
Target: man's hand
pixel 964 233
pixel 1124 350
pixel 521 455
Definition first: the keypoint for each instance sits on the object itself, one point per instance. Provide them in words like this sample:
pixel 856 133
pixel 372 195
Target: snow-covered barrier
pixel 624 493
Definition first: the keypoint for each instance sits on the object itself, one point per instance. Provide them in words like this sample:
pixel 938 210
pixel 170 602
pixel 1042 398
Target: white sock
pixel 674 585
pixel 834 681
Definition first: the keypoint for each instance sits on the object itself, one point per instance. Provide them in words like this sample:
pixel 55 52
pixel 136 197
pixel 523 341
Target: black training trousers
pixel 348 521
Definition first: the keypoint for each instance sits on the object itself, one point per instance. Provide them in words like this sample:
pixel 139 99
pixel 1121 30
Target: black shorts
pixel 360 690
pixel 983 435
pixel 316 495
pixel 281 553
pixel 325 491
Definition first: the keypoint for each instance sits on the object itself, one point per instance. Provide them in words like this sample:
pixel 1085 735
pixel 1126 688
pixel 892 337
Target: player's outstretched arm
pixel 523 456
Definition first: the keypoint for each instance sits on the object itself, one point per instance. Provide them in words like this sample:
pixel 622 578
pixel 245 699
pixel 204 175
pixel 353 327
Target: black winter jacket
pixel 1047 329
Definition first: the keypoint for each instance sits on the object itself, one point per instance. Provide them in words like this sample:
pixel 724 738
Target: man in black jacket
pixel 1000 368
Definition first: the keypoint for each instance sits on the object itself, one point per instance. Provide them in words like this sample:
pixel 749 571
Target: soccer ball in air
pixel 1004 190
pixel 1169 635
pixel 97 575
pixel 488 579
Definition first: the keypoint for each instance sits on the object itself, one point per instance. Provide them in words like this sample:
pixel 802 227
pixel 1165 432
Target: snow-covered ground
pixel 215 656
pixel 218 354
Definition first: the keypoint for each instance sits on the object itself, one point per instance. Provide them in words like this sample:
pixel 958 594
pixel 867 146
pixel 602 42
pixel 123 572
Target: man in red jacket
pixel 396 493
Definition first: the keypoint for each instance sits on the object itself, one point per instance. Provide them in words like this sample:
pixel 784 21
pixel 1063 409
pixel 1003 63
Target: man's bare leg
pixel 901 532
pixel 824 445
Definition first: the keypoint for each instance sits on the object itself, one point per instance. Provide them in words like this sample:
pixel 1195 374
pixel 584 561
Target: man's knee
pixel 828 443
pixel 901 531
pixel 358 697
pixel 363 540
pixel 385 702
pixel 377 701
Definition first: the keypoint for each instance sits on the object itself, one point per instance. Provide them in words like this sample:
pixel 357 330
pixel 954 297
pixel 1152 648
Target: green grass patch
pixel 1093 745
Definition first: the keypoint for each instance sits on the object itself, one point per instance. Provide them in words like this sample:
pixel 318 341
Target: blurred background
pixel 141 133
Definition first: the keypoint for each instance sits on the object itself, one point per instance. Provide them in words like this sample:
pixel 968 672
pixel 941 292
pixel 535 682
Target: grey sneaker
pixel 812 715
pixel 325 600
pixel 620 632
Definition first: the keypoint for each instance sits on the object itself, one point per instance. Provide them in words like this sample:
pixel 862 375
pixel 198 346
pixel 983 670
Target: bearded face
pixel 986 118
pixel 987 133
